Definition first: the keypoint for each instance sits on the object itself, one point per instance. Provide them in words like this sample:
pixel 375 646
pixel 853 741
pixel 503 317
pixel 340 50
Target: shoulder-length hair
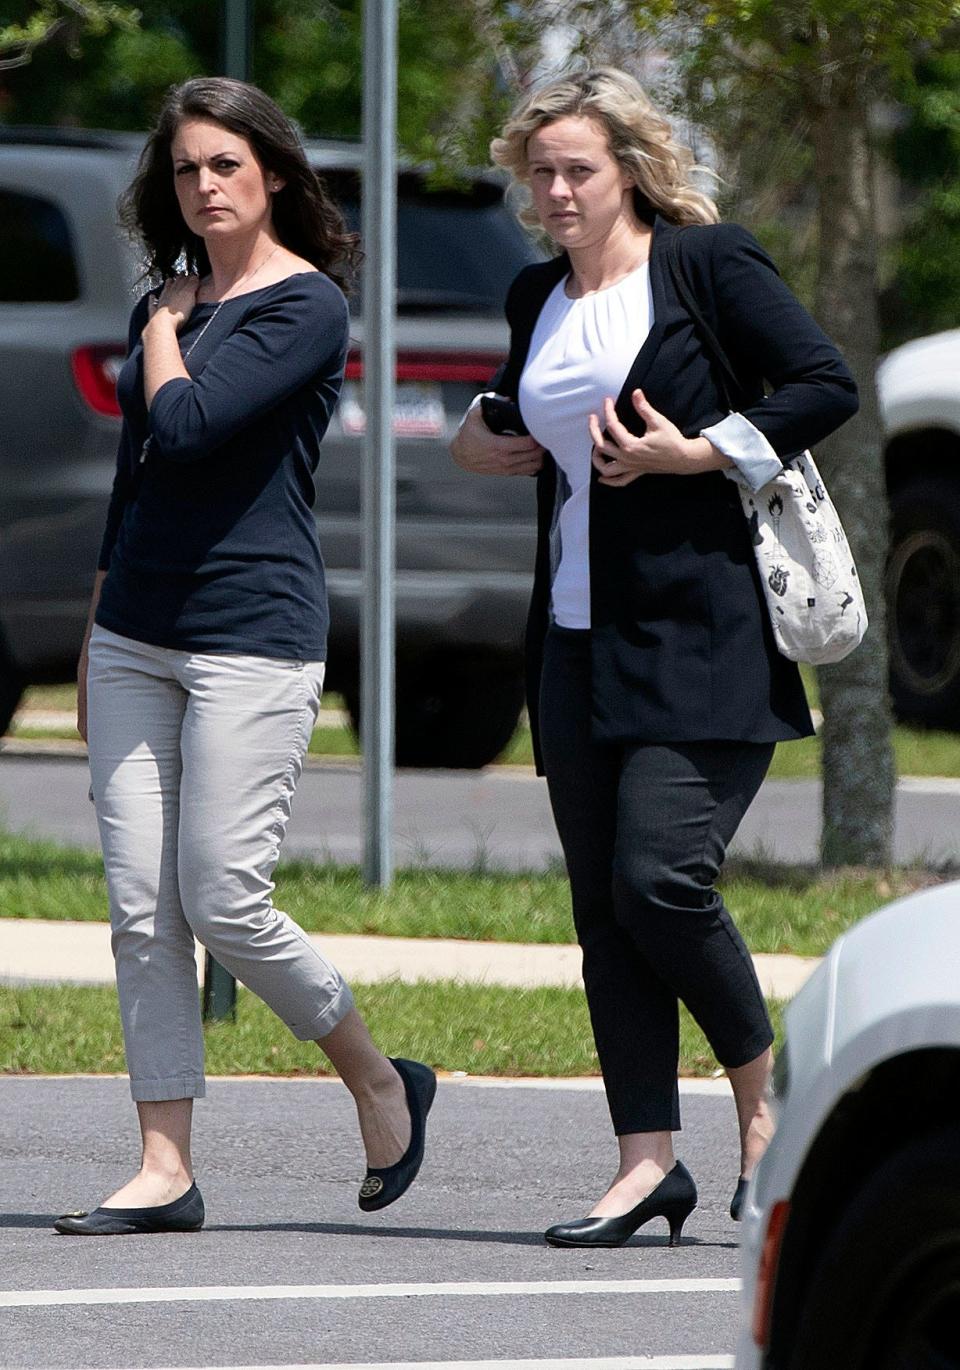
pixel 640 139
pixel 305 217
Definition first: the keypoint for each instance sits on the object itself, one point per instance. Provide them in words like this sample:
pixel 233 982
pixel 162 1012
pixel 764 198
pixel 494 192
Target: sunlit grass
pixel 918 751
pixel 482 1030
pixel 779 909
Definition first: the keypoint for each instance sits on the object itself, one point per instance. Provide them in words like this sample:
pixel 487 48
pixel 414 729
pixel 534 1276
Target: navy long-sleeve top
pixel 210 543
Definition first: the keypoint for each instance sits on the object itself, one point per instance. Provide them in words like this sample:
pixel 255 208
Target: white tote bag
pixel 811 585
pixel 806 567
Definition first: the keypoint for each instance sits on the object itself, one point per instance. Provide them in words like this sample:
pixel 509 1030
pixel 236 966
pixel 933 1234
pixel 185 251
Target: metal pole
pixel 219 991
pixel 238 39
pixel 236 36
pixel 379 291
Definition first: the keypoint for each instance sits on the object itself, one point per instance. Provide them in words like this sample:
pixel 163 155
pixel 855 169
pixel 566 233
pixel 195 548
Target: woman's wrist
pixel 162 321
pixel 162 360
pixel 704 456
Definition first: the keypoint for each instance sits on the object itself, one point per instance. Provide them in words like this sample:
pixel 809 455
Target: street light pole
pixel 379 508
pixel 237 37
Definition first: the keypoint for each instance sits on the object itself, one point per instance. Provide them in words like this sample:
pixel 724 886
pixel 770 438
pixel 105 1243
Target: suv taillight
pixel 473 368
pixel 95 371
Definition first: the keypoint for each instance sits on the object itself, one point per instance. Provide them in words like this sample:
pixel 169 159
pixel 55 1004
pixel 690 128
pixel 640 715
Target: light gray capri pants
pixel 194 760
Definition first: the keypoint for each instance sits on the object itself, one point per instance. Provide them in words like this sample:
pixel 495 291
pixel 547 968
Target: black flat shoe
pixel 385 1185
pixel 740 1193
pixel 674 1198
pixel 182 1215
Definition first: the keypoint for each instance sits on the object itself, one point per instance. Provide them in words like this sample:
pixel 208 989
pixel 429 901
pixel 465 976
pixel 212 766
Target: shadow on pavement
pixel 46 1220
pixel 28 1219
pixel 436 1234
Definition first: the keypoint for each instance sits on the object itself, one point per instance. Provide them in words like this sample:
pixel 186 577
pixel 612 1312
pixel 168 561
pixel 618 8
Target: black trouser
pixel 644 829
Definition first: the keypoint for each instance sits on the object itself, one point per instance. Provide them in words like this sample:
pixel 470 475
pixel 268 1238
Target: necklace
pixel 248 276
pixel 144 450
pixel 203 329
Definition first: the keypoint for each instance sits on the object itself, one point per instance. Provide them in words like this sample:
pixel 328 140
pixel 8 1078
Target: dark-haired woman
pixel 201 677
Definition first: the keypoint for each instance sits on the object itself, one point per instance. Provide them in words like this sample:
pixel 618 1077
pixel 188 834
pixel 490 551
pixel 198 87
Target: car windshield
pixel 457 249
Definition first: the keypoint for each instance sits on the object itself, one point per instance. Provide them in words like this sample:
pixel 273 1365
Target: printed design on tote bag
pixel 825 571
pixel 802 550
pixel 777 580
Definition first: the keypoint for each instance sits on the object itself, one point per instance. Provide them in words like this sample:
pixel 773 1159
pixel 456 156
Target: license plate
pixel 418 410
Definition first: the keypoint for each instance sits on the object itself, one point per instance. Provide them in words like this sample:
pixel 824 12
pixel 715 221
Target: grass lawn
pixel 918 751
pixel 483 1030
pixel 778 908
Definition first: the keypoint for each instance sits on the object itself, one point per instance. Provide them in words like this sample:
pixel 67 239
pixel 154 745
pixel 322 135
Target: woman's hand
pixel 168 312
pixel 175 301
pixel 84 661
pixel 82 665
pixel 484 453
pixel 621 456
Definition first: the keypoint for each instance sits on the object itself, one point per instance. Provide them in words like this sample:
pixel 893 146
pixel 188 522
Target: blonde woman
pixel 656 691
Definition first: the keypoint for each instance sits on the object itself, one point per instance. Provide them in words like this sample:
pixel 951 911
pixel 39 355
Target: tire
pixel 923 602
pixel 11 688
pixel 454 713
pixel 885 1294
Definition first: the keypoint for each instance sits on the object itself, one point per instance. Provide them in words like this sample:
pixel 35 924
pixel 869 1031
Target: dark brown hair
pixel 305 217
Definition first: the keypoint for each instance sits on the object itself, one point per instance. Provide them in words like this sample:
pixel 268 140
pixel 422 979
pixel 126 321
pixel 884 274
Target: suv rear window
pixel 37 263
pixel 457 249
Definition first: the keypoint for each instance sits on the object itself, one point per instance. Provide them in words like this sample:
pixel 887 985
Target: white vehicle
pixel 919 388
pixel 851 1227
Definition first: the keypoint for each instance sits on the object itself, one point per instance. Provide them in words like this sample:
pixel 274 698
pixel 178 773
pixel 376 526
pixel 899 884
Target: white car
pixel 919 391
pixel 851 1227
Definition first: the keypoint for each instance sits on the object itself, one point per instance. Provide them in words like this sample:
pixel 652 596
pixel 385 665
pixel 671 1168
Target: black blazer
pixel 682 646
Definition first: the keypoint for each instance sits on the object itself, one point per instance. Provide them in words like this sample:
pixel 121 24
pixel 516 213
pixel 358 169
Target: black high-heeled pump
pixel 674 1198
pixel 739 1195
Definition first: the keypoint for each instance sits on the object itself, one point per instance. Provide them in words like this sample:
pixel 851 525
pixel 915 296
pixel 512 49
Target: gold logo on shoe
pixel 371 1186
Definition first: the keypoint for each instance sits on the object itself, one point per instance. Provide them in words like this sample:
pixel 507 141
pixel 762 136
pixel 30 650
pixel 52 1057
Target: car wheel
pixel 885 1294
pixel 923 600
pixel 457 713
pixel 11 688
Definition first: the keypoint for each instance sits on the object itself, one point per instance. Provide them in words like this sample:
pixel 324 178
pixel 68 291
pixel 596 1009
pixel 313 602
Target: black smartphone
pixel 503 416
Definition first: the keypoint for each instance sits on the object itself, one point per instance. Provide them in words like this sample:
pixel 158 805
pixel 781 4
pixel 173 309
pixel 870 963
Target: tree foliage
pixel 924 295
pixel 451 91
pixel 23 33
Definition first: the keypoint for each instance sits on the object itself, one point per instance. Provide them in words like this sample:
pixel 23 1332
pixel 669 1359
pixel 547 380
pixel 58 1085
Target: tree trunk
pixel 858 768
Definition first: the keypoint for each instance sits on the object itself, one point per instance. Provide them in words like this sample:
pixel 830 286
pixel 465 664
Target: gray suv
pixel 464 545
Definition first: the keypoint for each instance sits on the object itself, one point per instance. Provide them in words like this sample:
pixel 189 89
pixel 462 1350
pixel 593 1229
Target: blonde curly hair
pixel 641 140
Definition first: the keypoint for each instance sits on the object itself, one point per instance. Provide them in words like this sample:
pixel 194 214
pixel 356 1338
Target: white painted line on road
pixel 228 1293
pixel 576 1363
pixel 717 1087
pixel 586 1083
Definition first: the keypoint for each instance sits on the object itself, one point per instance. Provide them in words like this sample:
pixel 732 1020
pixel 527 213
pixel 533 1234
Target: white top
pixel 580 353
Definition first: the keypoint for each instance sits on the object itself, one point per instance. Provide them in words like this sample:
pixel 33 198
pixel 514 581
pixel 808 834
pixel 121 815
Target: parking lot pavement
pixel 498 818
pixel 288 1272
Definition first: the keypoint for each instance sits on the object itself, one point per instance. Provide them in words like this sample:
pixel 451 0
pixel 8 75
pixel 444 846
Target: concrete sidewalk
pixel 33 951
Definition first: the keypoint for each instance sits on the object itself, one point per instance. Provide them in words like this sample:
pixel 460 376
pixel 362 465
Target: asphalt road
pixel 289 1272
pixel 498 817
